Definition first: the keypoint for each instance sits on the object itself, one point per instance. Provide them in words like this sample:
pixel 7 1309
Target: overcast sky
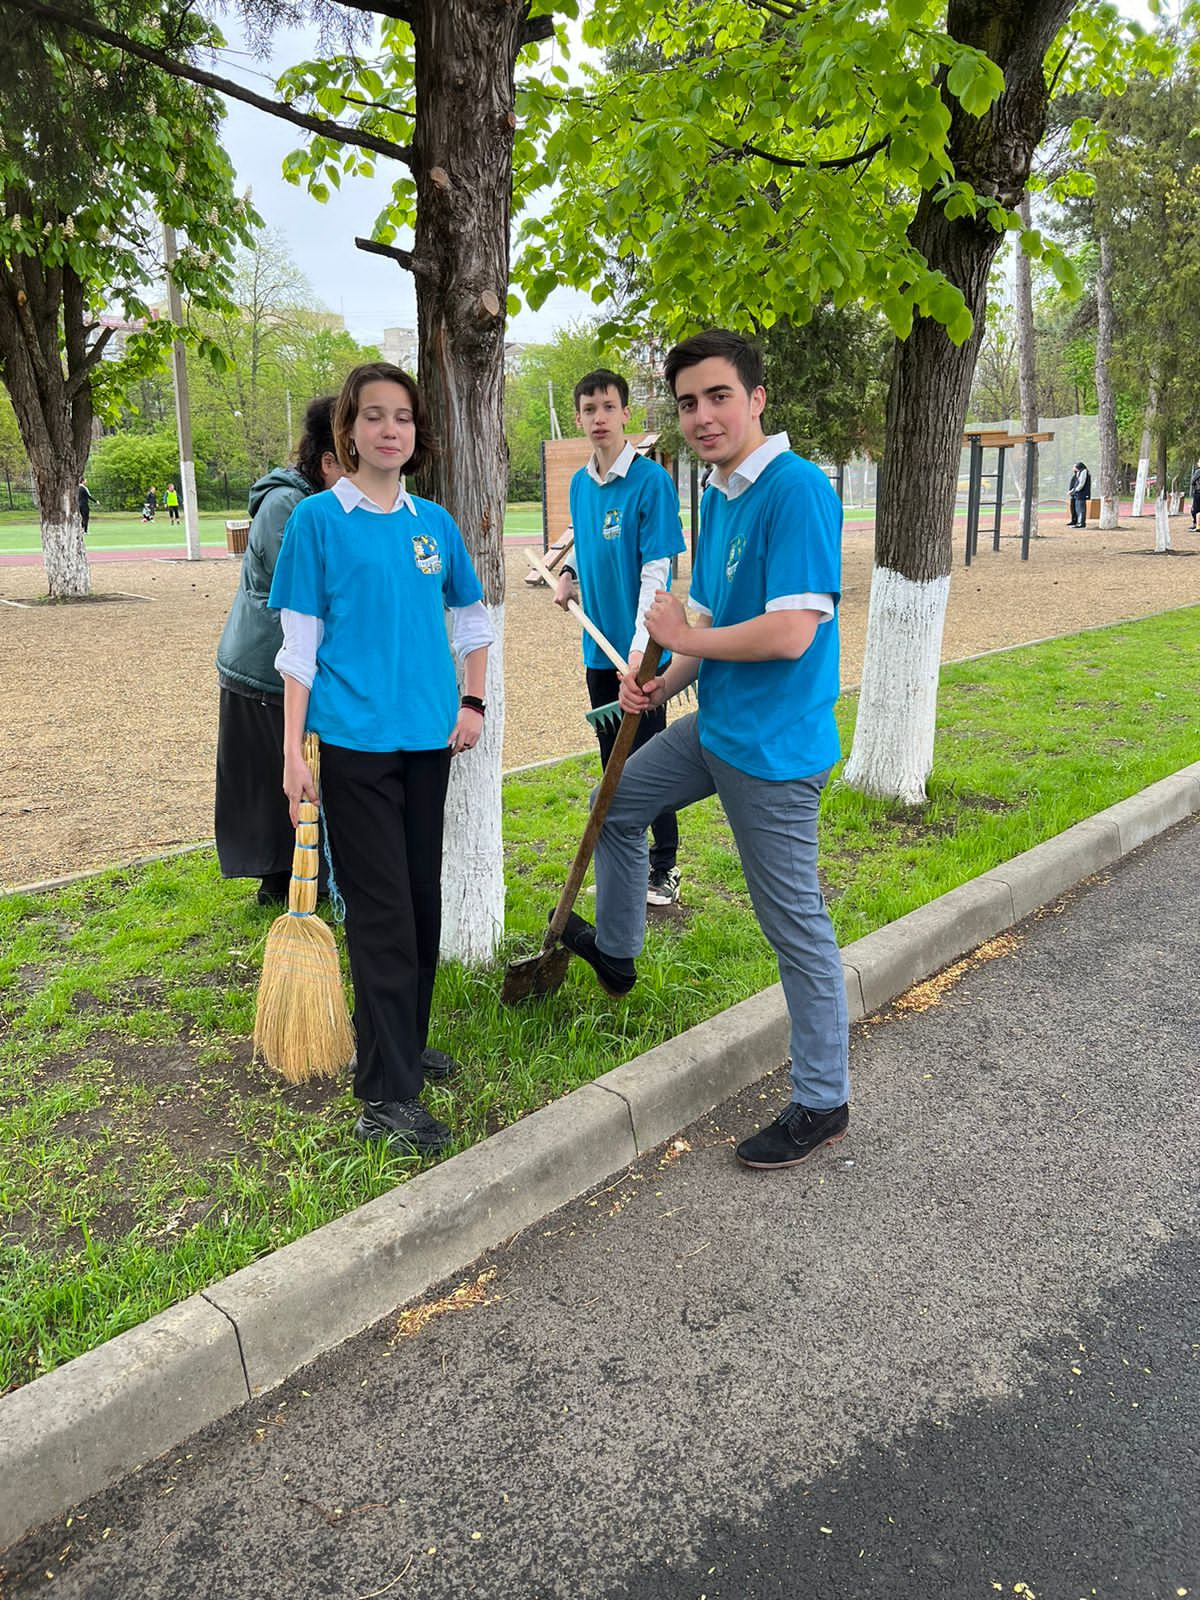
pixel 370 292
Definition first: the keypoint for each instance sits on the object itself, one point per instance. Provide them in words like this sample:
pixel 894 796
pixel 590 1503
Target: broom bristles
pixel 302 1029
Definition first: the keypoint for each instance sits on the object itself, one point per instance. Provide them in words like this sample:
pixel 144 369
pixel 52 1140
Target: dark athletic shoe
pixel 662 888
pixel 437 1065
pixel 616 976
pixel 793 1137
pixel 404 1124
pixel 273 890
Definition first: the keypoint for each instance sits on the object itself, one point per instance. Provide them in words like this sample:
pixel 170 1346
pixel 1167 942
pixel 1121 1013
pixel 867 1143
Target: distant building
pixel 400 348
pixel 118 338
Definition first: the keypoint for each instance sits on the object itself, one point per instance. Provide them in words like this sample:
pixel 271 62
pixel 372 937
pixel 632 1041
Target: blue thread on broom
pixel 337 906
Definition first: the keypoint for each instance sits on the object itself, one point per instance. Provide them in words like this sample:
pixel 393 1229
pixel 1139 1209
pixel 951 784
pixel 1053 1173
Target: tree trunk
pixel 1027 359
pixel 1105 394
pixel 465 53
pixel 53 407
pixel 1143 466
pixel 1162 506
pixel 927 405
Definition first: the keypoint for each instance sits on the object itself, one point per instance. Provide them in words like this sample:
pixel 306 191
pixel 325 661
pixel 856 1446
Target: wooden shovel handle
pixel 608 786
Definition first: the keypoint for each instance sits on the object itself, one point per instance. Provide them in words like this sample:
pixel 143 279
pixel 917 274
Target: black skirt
pixel 254 832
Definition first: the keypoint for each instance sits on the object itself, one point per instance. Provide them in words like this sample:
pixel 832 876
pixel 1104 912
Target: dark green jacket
pixel 253 635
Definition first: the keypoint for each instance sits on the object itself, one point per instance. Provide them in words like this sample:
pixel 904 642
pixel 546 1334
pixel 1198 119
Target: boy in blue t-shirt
pixel 625 518
pixel 762 648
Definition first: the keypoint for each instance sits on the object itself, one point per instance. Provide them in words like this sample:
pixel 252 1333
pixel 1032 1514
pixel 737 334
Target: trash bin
pixel 1093 514
pixel 236 536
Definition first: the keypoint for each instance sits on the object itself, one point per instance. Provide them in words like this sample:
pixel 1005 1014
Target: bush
pixel 124 465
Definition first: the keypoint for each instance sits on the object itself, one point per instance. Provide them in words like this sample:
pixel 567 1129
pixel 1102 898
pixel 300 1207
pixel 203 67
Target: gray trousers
pixel 775 828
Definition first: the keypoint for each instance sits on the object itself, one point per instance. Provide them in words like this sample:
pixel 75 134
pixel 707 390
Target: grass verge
pixel 143 1155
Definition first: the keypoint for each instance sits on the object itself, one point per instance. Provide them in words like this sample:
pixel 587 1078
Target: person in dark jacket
pixel 253 830
pixel 1079 492
pixel 1195 487
pixel 85 500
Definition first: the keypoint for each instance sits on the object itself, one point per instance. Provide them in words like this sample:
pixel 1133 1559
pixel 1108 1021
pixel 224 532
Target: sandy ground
pixel 110 708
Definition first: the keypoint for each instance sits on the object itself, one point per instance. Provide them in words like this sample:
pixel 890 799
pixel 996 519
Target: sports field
pixel 19 533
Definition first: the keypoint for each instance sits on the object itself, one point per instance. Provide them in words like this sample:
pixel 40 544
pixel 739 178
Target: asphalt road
pixel 958 1355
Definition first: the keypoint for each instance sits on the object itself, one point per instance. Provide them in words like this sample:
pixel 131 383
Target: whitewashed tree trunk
pixel 1143 467
pixel 64 553
pixel 1162 525
pixel 927 406
pixel 464 64
pixel 897 708
pixel 1027 366
pixel 1105 393
pixel 473 865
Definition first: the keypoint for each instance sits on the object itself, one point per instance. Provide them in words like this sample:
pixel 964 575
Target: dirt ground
pixel 110 708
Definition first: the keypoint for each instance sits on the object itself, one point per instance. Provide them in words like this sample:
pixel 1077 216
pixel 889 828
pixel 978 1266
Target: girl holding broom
pixel 364 577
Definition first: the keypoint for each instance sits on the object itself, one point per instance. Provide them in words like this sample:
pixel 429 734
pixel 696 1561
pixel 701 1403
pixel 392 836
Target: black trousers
pixel 254 832
pixel 602 686
pixel 384 814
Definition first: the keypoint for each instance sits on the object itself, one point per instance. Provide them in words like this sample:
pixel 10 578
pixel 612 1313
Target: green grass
pixel 20 534
pixel 142 1156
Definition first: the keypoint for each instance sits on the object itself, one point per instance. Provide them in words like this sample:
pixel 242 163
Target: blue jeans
pixel 775 828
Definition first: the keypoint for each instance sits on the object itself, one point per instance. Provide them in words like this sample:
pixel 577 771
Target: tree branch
pixel 208 80
pixel 834 164
pixel 535 29
pixel 405 258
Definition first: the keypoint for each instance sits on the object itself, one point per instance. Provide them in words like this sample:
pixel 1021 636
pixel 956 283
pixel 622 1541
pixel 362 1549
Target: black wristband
pixel 474 703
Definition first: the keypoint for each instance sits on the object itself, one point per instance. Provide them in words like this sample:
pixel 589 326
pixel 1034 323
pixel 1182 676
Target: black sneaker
pixel 793 1137
pixel 662 889
pixel 437 1065
pixel 273 890
pixel 615 975
pixel 404 1124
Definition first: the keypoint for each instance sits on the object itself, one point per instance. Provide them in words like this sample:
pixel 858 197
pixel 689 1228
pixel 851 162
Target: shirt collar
pixel 618 469
pixel 350 496
pixel 748 471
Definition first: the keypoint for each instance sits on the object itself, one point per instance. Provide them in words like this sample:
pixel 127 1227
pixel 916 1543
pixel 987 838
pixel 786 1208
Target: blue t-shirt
pixel 618 527
pixel 381 584
pixel 780 536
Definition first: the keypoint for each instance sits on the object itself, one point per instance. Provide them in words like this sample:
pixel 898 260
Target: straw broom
pixel 302 1028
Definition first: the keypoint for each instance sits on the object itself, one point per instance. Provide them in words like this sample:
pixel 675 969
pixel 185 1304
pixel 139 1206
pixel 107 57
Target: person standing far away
pixel 85 500
pixel 254 833
pixel 1079 490
pixel 625 517
pixel 1195 488
pixel 171 501
pixel 150 504
pixel 363 582
pixel 761 645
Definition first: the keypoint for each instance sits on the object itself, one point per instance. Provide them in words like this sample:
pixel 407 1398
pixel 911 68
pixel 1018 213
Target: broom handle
pixel 608 786
pixel 580 615
pixel 302 891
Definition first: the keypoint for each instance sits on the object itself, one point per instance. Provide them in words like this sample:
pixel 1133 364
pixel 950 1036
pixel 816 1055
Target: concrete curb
pixel 71 1433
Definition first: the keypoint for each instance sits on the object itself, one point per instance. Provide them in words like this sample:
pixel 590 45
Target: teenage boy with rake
pixel 625 518
pixel 762 646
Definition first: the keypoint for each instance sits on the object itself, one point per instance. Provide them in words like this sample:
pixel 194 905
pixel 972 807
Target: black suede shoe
pixel 437 1065
pixel 404 1124
pixel 615 975
pixel 793 1137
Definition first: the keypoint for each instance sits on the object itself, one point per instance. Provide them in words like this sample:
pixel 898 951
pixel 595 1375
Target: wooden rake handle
pixel 580 615
pixel 608 787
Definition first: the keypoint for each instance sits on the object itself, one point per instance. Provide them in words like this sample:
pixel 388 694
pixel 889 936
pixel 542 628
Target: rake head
pixel 608 716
